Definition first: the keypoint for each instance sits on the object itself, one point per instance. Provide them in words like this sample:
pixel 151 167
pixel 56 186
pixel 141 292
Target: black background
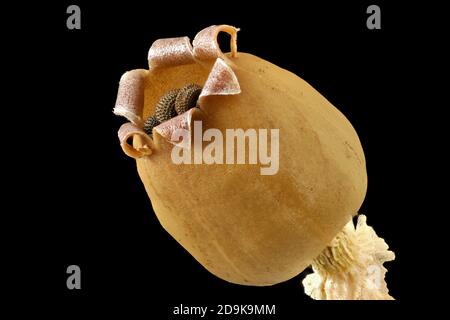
pixel 89 206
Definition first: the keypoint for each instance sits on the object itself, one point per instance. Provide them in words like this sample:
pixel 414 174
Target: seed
pixel 187 98
pixel 165 108
pixel 149 124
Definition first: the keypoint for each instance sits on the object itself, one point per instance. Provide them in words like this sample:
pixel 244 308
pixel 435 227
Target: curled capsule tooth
pixel 165 108
pixel 149 124
pixel 187 98
pixel 130 96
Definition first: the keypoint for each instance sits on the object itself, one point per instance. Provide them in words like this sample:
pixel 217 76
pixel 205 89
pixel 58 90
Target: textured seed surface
pixel 165 108
pixel 149 124
pixel 187 98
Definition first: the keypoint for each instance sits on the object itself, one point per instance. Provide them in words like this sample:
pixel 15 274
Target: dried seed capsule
pixel 165 108
pixel 187 98
pixel 297 209
pixel 149 124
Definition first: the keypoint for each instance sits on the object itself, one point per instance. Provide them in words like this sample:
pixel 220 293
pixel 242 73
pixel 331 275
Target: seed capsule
pixel 187 98
pixel 149 124
pixel 245 226
pixel 165 108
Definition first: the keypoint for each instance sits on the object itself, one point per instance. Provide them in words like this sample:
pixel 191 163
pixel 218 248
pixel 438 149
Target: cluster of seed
pixel 187 98
pixel 149 124
pixel 165 108
pixel 176 101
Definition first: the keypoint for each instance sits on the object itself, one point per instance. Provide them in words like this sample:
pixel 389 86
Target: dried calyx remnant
pixel 351 266
pixel 174 102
